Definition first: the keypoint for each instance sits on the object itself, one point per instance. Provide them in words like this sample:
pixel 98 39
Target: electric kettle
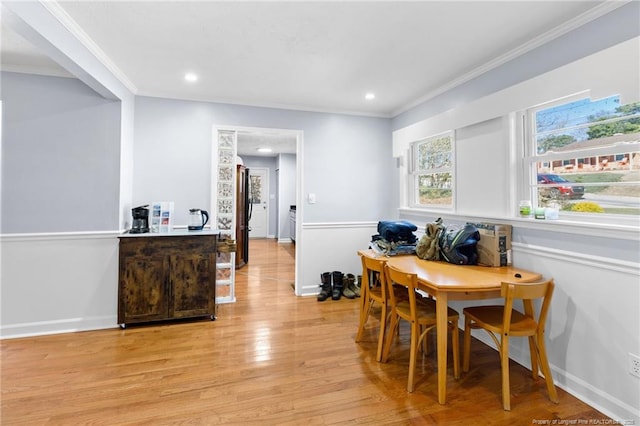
pixel 197 219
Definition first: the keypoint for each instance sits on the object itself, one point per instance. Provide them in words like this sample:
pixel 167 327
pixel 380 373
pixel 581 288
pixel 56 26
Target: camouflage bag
pixel 428 247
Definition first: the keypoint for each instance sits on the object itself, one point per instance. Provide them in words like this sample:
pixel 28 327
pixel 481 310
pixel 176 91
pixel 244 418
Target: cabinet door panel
pixel 191 278
pixel 145 288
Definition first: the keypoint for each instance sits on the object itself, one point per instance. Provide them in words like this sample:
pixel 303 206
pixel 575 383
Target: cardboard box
pixel 494 247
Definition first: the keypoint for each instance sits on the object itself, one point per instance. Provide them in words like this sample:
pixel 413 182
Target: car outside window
pixel 584 156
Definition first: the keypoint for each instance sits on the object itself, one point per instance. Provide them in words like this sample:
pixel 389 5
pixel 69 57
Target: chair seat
pixel 426 311
pixel 490 318
pixel 376 292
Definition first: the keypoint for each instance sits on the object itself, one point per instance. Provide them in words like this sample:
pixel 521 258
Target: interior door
pixel 259 200
pixel 242 216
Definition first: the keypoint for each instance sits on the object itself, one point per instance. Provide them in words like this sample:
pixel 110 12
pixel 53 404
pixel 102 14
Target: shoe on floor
pixel 352 286
pixel 325 291
pixel 347 286
pixel 337 285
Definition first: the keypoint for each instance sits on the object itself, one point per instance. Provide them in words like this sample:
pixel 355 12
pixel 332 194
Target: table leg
pixel 442 332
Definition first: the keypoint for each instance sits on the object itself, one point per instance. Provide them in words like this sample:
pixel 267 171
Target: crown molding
pixel 580 20
pixel 67 21
pixel 36 70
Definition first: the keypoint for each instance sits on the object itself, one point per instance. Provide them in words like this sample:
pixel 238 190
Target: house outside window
pixel 583 156
pixel 432 171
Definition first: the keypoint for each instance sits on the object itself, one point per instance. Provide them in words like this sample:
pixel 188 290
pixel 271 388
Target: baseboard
pixel 69 325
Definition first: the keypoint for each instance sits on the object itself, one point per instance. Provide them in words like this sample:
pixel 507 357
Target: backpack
pixel 428 247
pixel 459 246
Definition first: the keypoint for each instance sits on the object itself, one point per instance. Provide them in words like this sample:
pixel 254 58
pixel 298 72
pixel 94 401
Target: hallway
pixel 268 261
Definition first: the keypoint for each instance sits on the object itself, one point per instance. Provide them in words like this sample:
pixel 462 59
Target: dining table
pixel 447 281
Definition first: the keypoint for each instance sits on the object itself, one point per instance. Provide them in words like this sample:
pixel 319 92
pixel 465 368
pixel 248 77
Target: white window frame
pixel 414 171
pixel 528 189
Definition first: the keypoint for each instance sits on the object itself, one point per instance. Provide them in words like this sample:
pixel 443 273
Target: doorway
pixel 259 201
pixel 274 151
pixel 285 165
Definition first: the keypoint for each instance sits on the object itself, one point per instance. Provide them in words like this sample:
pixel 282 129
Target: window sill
pixel 628 230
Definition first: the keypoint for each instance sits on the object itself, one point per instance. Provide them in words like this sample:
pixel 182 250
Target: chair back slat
pixel 373 275
pixel 527 292
pixel 535 290
pixel 407 282
pixel 373 291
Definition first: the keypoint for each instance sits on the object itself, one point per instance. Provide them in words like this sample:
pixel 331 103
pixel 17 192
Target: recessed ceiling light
pixel 264 149
pixel 370 96
pixel 191 77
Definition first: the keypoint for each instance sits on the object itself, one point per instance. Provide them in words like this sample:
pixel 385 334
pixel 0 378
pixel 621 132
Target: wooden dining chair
pixel 405 303
pixel 506 322
pixel 373 290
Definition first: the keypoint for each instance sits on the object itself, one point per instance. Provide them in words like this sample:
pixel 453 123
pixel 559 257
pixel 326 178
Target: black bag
pixel 459 246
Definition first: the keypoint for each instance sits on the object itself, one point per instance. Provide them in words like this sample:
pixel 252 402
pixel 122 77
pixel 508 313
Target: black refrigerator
pixel 243 215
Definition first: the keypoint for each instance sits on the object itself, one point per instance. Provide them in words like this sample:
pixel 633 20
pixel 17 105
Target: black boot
pixel 325 292
pixel 337 285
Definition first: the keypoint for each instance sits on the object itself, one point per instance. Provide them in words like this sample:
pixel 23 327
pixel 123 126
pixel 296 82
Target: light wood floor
pixel 271 358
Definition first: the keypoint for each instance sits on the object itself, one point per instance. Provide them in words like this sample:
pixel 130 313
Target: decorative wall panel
pixel 224 203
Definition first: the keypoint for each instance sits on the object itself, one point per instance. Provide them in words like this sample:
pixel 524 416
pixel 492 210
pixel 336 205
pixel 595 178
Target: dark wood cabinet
pixel 165 277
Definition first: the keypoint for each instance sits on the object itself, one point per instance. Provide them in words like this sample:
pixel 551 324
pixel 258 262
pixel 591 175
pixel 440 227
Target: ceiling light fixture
pixel 264 149
pixel 369 96
pixel 191 77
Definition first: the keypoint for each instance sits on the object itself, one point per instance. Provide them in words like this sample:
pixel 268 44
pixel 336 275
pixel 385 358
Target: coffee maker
pixel 140 219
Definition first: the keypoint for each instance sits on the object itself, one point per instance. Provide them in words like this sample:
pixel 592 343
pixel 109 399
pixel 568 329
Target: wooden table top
pixel 444 276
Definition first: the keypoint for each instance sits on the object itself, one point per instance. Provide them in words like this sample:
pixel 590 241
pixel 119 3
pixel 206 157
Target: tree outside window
pixel 433 171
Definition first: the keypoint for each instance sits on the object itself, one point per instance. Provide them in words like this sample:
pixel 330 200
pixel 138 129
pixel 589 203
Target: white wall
pixel 58 283
pixel 333 246
pixel 172 157
pixel 287 193
pixel 481 164
pixel 61 156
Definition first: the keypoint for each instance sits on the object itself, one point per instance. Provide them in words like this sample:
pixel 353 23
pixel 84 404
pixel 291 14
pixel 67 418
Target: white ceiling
pixel 315 56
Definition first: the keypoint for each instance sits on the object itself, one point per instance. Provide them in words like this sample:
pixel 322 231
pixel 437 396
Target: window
pixel 432 171
pixel 583 156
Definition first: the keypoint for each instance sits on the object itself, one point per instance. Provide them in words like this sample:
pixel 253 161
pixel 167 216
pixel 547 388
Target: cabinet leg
pixel 123 326
pixel 213 317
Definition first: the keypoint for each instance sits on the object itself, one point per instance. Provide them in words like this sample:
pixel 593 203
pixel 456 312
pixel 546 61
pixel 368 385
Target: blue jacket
pixel 394 231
